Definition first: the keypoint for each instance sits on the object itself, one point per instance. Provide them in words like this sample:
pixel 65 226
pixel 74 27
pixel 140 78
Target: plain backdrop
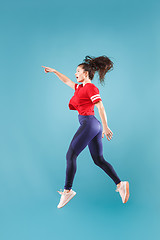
pixel 37 126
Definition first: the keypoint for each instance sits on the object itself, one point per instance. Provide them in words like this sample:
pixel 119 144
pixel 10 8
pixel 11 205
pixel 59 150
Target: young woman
pixel 90 131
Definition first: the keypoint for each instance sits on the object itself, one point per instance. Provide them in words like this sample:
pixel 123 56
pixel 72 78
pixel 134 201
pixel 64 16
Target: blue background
pixel 37 125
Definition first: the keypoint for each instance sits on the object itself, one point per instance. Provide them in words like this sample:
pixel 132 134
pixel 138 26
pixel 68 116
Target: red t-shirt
pixel 84 98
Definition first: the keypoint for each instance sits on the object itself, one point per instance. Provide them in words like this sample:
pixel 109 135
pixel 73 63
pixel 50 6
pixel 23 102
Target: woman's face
pixel 80 74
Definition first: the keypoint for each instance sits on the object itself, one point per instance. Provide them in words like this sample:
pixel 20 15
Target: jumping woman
pixel 90 131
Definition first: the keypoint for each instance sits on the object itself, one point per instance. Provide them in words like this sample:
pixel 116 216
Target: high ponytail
pixel 100 64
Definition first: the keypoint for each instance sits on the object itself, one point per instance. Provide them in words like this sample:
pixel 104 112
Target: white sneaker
pixel 65 197
pixel 123 190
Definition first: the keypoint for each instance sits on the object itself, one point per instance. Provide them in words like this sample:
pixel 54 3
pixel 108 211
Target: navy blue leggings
pixel 89 133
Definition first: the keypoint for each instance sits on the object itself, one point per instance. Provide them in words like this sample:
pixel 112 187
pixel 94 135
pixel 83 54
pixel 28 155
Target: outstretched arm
pixel 61 76
pixel 103 117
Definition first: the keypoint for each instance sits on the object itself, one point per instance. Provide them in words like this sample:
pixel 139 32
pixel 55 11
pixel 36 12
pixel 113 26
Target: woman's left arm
pixel 103 117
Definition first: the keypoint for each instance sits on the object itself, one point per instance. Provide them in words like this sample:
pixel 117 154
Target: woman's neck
pixel 89 81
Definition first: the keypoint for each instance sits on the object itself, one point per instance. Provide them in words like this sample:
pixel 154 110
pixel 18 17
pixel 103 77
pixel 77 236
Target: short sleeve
pixel 76 86
pixel 93 93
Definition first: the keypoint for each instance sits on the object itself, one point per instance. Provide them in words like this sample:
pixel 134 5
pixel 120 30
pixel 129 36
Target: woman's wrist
pixel 105 127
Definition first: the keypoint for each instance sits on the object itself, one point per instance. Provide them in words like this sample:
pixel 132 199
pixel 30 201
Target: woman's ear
pixel 86 74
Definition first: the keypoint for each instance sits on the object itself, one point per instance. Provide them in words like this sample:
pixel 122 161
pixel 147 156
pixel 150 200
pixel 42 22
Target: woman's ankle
pixel 67 190
pixel 118 185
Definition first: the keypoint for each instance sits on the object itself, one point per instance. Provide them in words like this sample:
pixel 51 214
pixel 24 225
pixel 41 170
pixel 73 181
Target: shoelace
pixel 61 192
pixel 117 190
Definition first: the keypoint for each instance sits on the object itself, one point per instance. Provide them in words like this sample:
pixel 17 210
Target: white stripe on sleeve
pixel 94 97
pixel 97 95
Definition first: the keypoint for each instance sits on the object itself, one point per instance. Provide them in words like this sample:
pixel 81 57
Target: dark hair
pixel 101 64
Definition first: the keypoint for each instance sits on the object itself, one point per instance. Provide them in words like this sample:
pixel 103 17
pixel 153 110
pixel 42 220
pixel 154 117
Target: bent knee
pixel 98 160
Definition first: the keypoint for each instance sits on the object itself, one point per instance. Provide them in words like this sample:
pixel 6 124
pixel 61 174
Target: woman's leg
pixel 71 168
pixel 96 150
pixel 85 133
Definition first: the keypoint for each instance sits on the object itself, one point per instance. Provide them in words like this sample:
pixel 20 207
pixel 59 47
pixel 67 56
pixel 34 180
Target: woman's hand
pixel 48 69
pixel 107 132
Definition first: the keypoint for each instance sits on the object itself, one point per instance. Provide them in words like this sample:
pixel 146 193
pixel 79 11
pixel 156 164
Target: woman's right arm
pixel 61 76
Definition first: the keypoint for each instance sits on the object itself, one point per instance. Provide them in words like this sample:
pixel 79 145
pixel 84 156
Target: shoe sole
pixel 68 200
pixel 127 192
